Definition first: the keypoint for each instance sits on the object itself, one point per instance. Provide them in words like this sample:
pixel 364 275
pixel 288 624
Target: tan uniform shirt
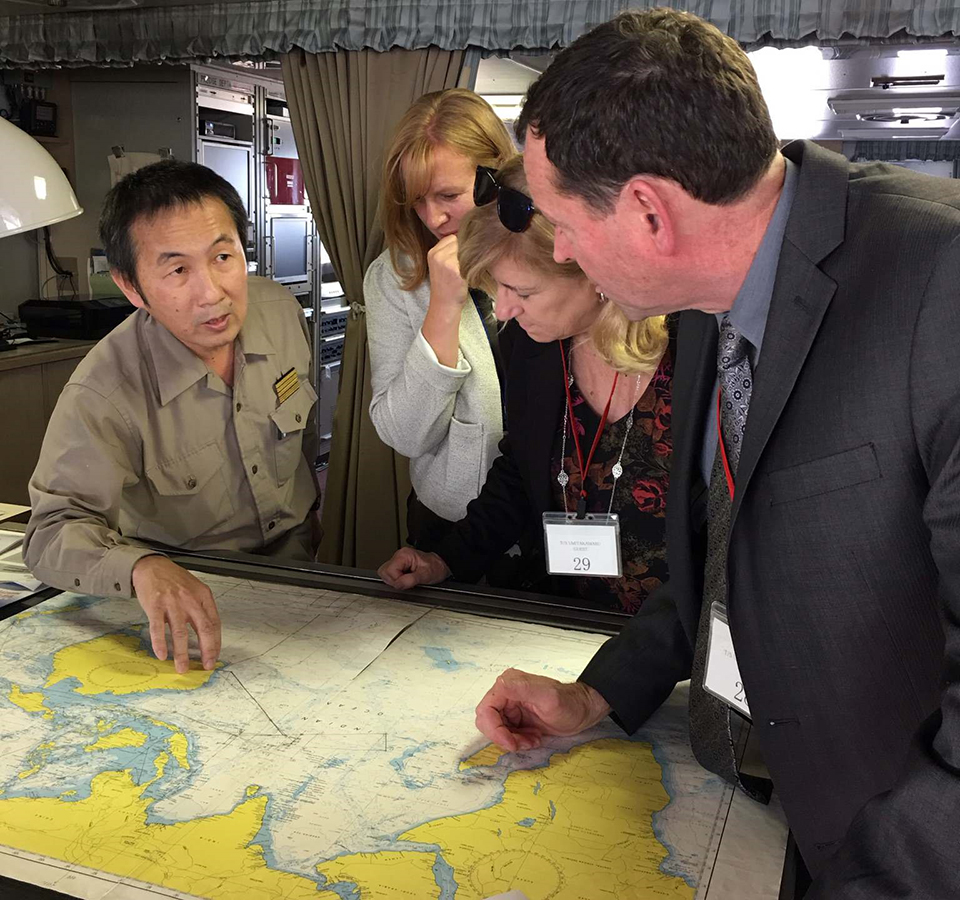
pixel 148 443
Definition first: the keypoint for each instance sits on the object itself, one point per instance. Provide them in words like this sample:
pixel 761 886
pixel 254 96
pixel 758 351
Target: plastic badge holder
pixel 587 546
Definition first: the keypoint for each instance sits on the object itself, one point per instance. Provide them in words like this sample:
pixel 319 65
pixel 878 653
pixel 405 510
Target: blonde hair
pixel 632 348
pixel 458 119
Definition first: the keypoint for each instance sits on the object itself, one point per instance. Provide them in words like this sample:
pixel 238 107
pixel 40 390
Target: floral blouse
pixel 641 491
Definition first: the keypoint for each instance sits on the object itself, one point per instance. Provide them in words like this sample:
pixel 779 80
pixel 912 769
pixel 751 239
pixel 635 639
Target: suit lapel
pixel 801 296
pixel 800 300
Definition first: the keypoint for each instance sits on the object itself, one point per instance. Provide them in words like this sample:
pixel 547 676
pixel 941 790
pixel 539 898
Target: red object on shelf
pixel 285 181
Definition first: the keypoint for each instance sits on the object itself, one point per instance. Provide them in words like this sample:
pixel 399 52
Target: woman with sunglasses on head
pixel 587 391
pixel 436 387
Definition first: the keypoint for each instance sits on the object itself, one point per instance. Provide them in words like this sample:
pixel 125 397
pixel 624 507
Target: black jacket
pixel 517 491
pixel 844 554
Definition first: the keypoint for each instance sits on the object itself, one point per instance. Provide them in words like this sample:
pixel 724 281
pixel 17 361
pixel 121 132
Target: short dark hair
pixel 654 92
pixel 154 189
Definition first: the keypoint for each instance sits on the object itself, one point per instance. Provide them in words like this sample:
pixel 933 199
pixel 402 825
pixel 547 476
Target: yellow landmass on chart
pixel 208 857
pixel 161 765
pixel 579 829
pixel 404 874
pixel 118 664
pixel 29 613
pixel 32 702
pixel 178 747
pixel 178 743
pixel 488 756
pixel 125 737
pixel 37 759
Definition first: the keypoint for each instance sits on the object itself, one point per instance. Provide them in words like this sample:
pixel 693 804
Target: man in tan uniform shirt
pixel 187 425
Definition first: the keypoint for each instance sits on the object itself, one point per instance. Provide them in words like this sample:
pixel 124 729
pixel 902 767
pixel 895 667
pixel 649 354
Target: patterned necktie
pixel 736 385
pixel 710 730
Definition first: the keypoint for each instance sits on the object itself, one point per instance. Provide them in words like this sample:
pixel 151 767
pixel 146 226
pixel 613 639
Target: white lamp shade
pixel 33 189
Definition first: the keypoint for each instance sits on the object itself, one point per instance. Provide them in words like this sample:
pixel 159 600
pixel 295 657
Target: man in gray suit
pixel 814 512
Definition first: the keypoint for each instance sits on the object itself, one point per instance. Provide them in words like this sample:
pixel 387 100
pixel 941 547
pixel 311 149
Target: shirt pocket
pixel 290 419
pixel 846 469
pixel 191 496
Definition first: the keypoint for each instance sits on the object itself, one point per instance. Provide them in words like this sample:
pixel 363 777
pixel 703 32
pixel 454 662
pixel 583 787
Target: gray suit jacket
pixel 844 555
pixel 447 422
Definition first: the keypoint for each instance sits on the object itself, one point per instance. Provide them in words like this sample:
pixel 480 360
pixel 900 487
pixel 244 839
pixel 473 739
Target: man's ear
pixel 650 214
pixel 130 290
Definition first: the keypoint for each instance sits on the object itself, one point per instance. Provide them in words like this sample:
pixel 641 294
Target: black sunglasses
pixel 514 209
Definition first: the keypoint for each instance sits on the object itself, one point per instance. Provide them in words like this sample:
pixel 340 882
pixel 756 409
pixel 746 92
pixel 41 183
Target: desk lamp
pixel 34 192
pixel 33 189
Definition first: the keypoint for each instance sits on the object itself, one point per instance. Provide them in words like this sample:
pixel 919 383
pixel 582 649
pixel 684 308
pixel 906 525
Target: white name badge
pixel 587 546
pixel 721 676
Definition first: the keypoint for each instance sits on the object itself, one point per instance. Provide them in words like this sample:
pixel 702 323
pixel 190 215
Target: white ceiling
pixel 508 76
pixel 798 85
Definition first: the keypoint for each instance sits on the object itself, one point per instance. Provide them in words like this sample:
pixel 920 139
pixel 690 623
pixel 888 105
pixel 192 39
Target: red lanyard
pixel 582 504
pixel 723 450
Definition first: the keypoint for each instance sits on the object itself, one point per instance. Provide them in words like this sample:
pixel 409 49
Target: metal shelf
pixel 219 139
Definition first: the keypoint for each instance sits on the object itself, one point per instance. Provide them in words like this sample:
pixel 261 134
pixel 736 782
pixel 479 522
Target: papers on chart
pixel 16 583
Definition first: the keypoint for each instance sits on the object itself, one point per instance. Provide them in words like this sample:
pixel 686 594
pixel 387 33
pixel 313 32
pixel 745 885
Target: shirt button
pixel 298 417
pixel 270 526
pixel 117 587
pixel 76 582
pixel 239 407
pixel 191 482
pixel 255 470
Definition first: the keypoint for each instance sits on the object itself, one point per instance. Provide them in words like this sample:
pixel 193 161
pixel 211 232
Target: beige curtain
pixel 344 107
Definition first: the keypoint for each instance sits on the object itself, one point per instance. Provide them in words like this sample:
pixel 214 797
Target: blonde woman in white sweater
pixel 436 389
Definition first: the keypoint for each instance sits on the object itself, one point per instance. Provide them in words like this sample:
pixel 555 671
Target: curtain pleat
pixel 267 29
pixel 899 150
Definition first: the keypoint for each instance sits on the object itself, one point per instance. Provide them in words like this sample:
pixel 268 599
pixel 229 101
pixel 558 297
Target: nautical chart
pixel 332 753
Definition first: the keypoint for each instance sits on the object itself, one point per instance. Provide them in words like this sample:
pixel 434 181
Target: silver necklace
pixel 563 479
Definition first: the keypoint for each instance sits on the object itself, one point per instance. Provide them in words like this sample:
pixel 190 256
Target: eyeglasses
pixel 514 208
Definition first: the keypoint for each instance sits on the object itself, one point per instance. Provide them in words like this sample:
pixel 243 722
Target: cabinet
pixel 31 379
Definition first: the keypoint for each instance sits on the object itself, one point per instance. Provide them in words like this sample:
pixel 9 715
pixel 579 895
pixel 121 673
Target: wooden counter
pixel 38 354
pixel 31 379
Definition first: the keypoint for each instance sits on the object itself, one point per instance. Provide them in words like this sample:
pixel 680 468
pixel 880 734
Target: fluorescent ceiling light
pixel 892 133
pixel 913 63
pixel 902 101
pixel 923 54
pixel 503 99
pixel 790 80
pixel 506 106
pixel 788 68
